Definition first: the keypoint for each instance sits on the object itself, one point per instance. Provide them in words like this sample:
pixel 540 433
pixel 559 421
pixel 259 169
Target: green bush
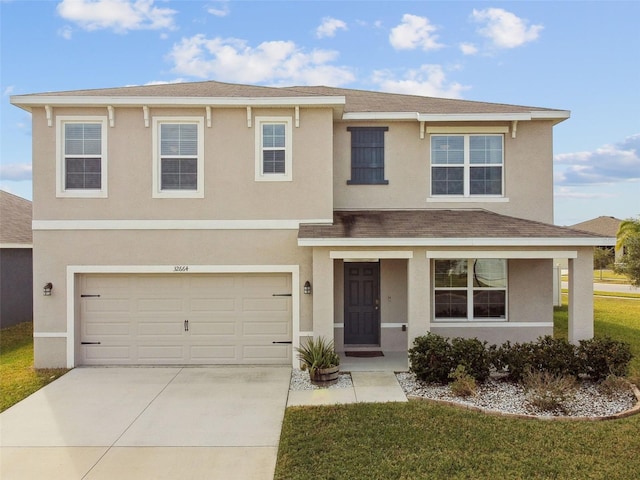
pixel 463 385
pixel 430 358
pixel 472 354
pixel 556 356
pixel 604 356
pixel 515 359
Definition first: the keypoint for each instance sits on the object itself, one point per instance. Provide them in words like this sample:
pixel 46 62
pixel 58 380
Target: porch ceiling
pixel 439 227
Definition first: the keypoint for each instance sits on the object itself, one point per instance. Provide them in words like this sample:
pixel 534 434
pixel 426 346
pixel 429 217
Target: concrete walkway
pixel 374 386
pixel 148 423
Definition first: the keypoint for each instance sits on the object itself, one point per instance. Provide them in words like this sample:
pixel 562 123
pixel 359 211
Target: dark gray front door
pixel 361 304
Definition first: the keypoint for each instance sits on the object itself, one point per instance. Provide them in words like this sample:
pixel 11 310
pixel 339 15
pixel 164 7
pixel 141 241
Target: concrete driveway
pixel 148 423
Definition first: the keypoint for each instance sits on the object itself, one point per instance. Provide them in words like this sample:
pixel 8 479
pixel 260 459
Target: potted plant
pixel 321 360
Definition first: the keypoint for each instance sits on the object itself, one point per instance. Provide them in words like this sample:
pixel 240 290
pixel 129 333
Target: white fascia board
pixel 174 224
pixel 497 324
pixel 380 116
pixel 501 254
pixel 465 117
pixel 550 114
pixel 27 101
pixel 362 254
pixel 16 245
pixel 454 242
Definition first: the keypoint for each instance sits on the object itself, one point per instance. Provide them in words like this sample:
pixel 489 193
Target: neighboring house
pixel 212 223
pixel 16 269
pixel 605 226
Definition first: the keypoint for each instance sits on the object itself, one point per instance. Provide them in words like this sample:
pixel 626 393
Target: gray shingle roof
pixel 15 219
pixel 434 224
pixel 607 226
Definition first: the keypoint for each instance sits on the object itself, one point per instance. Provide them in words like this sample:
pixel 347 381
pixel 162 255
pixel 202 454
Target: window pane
pixel 485 181
pixel 179 174
pixel 450 273
pixel 83 173
pixel 484 149
pixel 450 304
pixel 447 149
pixel 489 272
pixel 273 135
pixel 489 304
pixel 178 139
pixel 447 181
pixel 83 139
pixel 273 161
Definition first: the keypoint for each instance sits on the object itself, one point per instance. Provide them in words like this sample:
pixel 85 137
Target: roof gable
pixel 15 219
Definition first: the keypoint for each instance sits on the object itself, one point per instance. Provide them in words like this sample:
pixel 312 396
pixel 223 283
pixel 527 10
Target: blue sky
pixel 578 56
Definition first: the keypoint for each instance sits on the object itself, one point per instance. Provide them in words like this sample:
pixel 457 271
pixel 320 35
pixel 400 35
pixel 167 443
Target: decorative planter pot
pixel 325 376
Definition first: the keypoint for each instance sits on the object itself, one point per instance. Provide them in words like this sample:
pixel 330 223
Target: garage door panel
pixel 140 319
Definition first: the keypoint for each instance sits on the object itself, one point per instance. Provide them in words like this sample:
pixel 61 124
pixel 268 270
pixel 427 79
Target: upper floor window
pixel 273 149
pixel 467 165
pixel 470 289
pixel 81 162
pixel 367 156
pixel 178 157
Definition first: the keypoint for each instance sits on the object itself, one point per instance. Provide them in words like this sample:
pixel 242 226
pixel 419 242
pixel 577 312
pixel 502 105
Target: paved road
pixel 611 287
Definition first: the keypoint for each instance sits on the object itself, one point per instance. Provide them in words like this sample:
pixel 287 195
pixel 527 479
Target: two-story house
pixel 212 223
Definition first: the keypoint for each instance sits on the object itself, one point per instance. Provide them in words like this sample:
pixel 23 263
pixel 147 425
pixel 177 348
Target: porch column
pixel 581 295
pixel 322 294
pixel 418 297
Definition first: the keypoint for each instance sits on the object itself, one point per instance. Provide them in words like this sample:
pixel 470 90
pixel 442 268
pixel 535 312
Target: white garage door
pixel 185 319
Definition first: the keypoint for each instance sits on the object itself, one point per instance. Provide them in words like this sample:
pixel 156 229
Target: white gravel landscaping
pixel 507 397
pixel 300 381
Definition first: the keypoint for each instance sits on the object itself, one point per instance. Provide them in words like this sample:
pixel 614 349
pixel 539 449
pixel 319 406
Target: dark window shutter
pixel 367 155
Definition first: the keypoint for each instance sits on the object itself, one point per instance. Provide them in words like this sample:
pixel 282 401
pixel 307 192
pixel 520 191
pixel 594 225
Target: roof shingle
pixel 15 219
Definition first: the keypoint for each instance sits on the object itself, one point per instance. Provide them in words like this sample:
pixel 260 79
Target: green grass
pixel 18 378
pixel 606 276
pixel 421 440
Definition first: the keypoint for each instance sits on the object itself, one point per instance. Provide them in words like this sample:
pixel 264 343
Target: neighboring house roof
pixel 445 227
pixel 607 226
pixel 15 220
pixel 352 104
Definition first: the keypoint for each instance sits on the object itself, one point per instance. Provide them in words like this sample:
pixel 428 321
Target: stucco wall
pixel 231 191
pixel 528 171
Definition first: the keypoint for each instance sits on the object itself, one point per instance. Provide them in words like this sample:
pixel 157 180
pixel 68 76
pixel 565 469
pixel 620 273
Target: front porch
pixel 406 249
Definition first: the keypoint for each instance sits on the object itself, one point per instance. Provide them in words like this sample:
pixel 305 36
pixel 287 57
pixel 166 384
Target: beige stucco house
pixel 212 223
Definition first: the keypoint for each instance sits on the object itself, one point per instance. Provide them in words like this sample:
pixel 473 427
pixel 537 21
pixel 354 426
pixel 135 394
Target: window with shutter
pixel 367 156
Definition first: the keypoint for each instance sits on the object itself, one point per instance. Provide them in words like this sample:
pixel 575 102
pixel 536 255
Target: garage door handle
pixel 89 343
pixel 186 325
pixel 89 296
pixel 289 342
pixel 281 295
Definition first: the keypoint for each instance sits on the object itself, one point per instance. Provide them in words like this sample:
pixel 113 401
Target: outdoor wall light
pixel 307 288
pixel 47 289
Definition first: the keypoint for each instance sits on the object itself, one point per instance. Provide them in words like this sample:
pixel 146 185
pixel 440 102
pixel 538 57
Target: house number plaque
pixel 181 268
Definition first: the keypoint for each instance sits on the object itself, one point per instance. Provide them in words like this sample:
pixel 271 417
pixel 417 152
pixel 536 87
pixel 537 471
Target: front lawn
pixel 427 441
pixel 18 378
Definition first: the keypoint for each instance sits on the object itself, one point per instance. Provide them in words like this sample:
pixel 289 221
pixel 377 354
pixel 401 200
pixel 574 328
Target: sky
pixel 570 55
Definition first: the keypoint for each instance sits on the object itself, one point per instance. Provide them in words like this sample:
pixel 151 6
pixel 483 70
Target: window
pixel 178 158
pixel 467 165
pixel 367 156
pixel 273 149
pixel 470 289
pixel 81 159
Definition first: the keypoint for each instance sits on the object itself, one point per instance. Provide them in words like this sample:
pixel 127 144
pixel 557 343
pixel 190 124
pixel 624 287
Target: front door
pixel 362 303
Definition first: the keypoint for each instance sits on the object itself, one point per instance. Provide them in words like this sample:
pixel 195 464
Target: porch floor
pixel 390 362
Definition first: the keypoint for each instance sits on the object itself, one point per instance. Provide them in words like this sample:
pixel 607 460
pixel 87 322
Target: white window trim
pixel 466 197
pixel 287 176
pixel 471 289
pixel 157 192
pixel 61 192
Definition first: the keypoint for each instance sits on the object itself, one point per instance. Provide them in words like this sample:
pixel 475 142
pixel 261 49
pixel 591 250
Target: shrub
pixel 547 391
pixel 430 358
pixel 613 385
pixel 604 356
pixel 473 356
pixel 317 353
pixel 463 385
pixel 515 358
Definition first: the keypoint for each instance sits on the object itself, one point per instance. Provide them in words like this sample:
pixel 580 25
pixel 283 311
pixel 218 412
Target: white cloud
pixel 15 172
pixel 605 165
pixel 219 11
pixel 66 32
pixel 329 26
pixel 414 32
pixel 468 48
pixel 273 62
pixel 8 90
pixel 570 192
pixel 428 80
pixel 504 29
pixel 118 15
